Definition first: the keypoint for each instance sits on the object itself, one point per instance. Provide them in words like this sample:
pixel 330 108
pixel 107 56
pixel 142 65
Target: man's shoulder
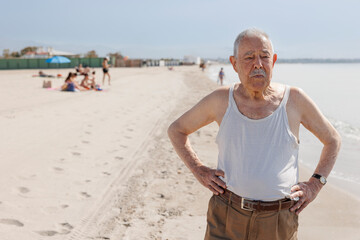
pixel 299 100
pixel 220 92
pixel 297 94
pixel 218 97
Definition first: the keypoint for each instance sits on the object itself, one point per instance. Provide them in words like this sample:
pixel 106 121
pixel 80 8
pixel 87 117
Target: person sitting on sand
pixel 79 69
pixel 86 70
pixel 71 85
pixel 88 83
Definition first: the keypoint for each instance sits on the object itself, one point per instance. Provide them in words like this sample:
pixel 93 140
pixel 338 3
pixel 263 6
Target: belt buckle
pixel 243 207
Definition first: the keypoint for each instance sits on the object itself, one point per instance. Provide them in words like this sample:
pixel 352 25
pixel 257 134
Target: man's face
pixel 254 62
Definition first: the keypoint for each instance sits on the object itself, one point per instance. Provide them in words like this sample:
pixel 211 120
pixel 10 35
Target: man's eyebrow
pixel 248 53
pixel 266 51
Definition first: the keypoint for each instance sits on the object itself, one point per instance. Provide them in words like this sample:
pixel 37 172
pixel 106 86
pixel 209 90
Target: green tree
pixel 91 54
pixel 15 54
pixel 6 53
pixel 27 49
pixel 117 55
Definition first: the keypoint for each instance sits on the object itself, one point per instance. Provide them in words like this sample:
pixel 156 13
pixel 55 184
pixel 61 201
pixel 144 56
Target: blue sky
pixel 174 28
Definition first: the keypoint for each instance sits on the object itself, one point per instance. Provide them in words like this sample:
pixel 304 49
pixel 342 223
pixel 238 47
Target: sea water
pixel 334 88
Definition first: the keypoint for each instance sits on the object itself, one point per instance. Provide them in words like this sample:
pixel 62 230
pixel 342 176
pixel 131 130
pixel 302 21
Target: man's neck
pixel 257 95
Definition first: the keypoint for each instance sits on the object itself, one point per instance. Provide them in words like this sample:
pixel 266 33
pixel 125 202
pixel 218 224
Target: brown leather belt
pixel 253 205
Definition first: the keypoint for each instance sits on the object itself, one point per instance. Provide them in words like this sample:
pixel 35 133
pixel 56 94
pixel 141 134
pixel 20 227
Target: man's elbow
pixel 171 130
pixel 175 131
pixel 335 141
pixel 338 140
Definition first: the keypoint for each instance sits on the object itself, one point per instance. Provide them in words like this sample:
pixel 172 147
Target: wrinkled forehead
pixel 254 43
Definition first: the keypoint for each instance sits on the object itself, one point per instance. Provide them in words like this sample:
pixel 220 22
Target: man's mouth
pixel 258 73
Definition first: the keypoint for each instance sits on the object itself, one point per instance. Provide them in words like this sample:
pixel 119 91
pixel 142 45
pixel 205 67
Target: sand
pixel 99 165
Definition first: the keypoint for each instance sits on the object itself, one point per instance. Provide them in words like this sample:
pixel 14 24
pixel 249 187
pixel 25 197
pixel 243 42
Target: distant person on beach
pixel 202 66
pixel 71 85
pixel 221 76
pixel 86 70
pixel 257 193
pixel 42 74
pixel 87 82
pixel 105 65
pixel 93 75
pixel 79 69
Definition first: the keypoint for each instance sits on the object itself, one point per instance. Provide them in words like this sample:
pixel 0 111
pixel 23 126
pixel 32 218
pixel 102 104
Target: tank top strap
pixel 231 95
pixel 286 95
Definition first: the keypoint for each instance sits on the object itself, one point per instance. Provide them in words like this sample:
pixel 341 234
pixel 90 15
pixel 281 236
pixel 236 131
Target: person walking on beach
pixel 221 76
pixel 256 193
pixel 202 66
pixel 105 65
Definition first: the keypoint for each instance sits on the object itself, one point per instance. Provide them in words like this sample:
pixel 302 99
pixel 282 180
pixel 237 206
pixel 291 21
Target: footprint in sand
pixel 123 146
pixel 106 173
pixel 65 228
pixel 119 158
pixel 47 233
pixel 76 153
pixel 23 190
pixel 85 194
pixel 85 142
pixel 88 133
pixel 128 137
pixel 66 225
pixel 130 129
pixel 57 169
pixel 11 222
pixel 64 206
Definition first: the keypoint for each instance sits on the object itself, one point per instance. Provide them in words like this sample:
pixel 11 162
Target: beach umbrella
pixel 58 59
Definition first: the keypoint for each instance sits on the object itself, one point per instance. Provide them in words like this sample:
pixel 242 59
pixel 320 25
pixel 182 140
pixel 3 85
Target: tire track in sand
pixel 102 207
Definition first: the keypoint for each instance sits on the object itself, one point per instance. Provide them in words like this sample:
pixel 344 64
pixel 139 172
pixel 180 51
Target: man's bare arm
pixel 315 122
pixel 200 115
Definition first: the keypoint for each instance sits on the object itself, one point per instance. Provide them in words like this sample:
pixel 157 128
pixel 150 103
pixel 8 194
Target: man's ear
pixel 233 62
pixel 274 59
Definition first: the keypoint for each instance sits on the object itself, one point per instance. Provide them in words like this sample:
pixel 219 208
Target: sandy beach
pixel 99 165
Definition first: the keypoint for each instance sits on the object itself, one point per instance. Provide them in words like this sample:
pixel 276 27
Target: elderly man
pixel 256 190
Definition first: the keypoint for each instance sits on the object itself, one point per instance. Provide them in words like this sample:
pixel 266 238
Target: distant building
pixel 41 53
pixel 192 60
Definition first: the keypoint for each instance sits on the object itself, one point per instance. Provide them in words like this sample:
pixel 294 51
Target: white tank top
pixel 259 157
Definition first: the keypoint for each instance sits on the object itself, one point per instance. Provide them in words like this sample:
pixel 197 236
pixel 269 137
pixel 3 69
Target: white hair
pixel 247 33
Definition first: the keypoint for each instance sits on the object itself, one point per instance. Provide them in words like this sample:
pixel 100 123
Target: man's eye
pixel 248 58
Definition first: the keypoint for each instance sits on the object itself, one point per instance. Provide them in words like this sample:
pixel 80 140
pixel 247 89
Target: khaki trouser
pixel 233 223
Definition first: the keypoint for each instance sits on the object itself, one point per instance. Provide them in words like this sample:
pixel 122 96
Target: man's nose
pixel 258 62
